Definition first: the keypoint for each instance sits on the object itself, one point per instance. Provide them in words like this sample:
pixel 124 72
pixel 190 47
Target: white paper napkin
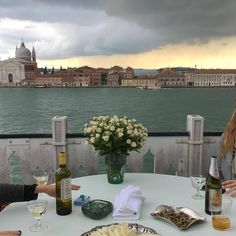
pixel 128 203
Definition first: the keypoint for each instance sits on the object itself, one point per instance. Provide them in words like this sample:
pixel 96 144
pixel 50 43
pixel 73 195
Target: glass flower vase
pixel 115 166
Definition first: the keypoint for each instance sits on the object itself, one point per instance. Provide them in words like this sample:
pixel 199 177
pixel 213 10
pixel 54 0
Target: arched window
pixel 10 78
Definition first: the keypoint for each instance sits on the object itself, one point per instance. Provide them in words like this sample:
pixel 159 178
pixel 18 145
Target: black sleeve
pixel 29 192
pixel 17 193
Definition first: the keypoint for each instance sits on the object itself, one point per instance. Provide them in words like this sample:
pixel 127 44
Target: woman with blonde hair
pixel 228 142
pixel 227 164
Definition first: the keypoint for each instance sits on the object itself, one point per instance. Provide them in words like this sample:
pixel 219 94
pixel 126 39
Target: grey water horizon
pixel 30 110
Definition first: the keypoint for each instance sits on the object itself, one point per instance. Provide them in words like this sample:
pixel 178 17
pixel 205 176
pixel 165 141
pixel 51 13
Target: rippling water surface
pixel 30 110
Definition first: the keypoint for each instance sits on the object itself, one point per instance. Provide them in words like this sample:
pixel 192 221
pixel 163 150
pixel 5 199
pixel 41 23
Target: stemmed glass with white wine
pixel 37 208
pixel 40 177
pixel 198 182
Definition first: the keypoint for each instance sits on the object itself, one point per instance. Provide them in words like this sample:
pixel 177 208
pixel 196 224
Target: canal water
pixel 30 110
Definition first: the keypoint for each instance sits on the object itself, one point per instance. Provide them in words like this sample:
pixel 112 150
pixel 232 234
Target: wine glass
pixel 40 177
pixel 198 182
pixel 37 208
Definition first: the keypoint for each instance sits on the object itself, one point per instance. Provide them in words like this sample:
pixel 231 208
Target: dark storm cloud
pixel 180 20
pixel 106 27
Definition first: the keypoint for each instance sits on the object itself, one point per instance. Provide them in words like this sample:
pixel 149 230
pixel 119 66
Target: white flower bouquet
pixel 115 135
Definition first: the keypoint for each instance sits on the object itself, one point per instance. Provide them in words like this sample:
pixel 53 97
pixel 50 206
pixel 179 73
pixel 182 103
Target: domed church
pixel 19 70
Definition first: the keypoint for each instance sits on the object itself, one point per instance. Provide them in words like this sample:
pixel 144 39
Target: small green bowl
pixel 97 209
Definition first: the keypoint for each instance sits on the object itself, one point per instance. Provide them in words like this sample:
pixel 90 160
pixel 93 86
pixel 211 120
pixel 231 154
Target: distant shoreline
pixel 120 87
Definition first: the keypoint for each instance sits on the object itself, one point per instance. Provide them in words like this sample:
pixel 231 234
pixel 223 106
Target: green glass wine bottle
pixel 213 189
pixel 63 187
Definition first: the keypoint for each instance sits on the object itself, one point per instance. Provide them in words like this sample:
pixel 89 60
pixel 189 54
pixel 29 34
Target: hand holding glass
pixel 40 177
pixel 198 182
pixel 37 208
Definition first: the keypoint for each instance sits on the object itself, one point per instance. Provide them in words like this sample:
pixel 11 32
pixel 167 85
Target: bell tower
pixel 33 54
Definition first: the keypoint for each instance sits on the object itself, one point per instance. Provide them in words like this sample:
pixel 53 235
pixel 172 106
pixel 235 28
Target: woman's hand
pixel 230 186
pixel 51 189
pixel 10 233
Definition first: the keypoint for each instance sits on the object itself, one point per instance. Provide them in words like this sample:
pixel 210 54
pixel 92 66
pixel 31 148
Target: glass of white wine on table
pixel 37 208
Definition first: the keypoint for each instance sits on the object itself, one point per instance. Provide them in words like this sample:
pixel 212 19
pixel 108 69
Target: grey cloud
pixel 181 20
pixel 107 27
pixel 91 4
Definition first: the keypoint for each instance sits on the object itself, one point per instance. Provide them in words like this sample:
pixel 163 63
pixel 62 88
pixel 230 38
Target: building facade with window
pixel 169 78
pixel 14 71
pixel 141 82
pixel 212 78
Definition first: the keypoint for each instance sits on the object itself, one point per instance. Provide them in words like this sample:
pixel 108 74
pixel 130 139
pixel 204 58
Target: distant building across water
pixel 22 71
pixel 14 71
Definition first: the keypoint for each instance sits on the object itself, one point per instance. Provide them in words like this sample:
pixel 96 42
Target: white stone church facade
pixel 15 71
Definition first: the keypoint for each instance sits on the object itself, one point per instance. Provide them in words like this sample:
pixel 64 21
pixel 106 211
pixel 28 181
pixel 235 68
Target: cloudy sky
pixel 136 33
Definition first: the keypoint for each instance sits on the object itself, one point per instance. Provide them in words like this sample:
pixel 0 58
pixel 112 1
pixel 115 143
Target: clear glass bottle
pixel 63 187
pixel 213 189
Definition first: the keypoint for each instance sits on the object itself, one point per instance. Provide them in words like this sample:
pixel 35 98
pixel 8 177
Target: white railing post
pixel 195 144
pixel 59 130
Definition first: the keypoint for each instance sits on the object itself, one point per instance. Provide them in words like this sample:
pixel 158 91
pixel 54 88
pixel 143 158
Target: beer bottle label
pixel 215 199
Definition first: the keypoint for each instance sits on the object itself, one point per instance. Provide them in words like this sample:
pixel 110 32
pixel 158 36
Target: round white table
pixel 157 190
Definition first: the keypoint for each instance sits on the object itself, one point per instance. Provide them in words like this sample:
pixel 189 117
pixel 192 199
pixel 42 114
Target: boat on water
pixel 149 87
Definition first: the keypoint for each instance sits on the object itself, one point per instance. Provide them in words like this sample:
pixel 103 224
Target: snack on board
pixel 182 217
pixel 118 230
pixel 114 230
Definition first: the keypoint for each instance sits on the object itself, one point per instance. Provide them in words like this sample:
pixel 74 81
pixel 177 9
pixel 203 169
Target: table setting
pixel 153 190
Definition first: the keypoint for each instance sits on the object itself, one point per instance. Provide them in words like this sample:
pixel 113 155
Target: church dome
pixel 23 53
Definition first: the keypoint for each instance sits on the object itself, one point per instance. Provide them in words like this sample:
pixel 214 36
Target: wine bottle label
pixel 66 189
pixel 215 199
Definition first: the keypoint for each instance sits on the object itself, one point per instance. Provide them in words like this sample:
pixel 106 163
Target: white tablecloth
pixel 157 189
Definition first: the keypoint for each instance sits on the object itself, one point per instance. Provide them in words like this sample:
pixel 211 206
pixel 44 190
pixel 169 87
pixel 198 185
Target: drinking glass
pixel 221 221
pixel 37 208
pixel 198 182
pixel 40 177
